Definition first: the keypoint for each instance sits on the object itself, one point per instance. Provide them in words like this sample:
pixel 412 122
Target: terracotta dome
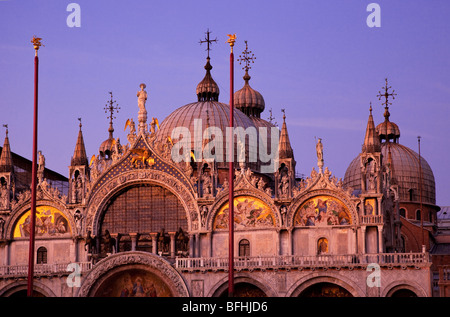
pixel 406 173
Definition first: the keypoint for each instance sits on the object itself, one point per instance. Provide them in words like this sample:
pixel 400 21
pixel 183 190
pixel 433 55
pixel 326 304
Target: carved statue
pixel 181 240
pixel 207 188
pixel 163 241
pixel 4 196
pixel 78 218
pixel 319 150
pixel 142 97
pixel 90 243
pixel 204 215
pixel 2 223
pixel 41 166
pixel 108 242
pixel 130 123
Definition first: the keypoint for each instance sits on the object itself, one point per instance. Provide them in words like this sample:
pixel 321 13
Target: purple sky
pixel 317 59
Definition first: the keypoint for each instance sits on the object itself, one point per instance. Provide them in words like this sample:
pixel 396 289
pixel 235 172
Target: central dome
pixel 201 115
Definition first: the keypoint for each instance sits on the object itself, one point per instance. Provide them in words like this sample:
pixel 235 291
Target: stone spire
pixel 6 164
pixel 372 139
pixel 79 155
pixel 284 148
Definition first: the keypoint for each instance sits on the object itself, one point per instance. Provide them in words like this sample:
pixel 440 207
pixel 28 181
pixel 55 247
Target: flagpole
pixel 231 41
pixel 420 194
pixel 36 42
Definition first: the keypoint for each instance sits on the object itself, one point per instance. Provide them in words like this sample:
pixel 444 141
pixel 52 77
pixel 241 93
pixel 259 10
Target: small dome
pixel 406 172
pixel 390 129
pixel 106 148
pixel 248 100
pixel 208 89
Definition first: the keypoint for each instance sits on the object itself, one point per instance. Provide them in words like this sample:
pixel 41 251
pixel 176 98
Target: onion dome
pixel 248 100
pixel 388 130
pixel 207 89
pixel 107 146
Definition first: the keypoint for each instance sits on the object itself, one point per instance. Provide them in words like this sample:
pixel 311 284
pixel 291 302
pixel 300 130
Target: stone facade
pixel 136 223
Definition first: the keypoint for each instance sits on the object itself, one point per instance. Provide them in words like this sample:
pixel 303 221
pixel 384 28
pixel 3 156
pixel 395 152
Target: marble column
pixel 134 237
pixel 154 237
pixel 172 244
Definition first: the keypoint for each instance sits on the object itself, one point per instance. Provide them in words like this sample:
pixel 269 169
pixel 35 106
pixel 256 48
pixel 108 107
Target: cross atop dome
pixel 110 107
pixel 208 41
pixel 386 95
pixel 246 58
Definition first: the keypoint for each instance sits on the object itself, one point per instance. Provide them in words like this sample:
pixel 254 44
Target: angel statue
pixel 130 123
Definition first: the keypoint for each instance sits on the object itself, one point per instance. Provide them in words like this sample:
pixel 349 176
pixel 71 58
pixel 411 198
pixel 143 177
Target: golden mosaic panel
pixel 49 222
pixel 248 212
pixel 322 211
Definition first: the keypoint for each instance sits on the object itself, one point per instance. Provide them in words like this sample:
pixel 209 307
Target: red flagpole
pixel 231 178
pixel 36 43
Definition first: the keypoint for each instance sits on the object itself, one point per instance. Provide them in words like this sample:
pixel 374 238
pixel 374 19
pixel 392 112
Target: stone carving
pixel 166 271
pixel 142 114
pixel 41 167
pixel 78 218
pixel 4 197
pixel 2 224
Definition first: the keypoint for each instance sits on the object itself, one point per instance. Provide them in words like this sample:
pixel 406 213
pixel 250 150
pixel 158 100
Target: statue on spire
pixel 319 150
pixel 142 97
pixel 142 114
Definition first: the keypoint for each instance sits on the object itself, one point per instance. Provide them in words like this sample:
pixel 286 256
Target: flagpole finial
pixel 36 43
pixel 231 40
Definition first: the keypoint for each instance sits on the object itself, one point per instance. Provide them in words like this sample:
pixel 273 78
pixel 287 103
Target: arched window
pixel 403 212
pixel 41 257
pixel 244 247
pixel 418 213
pixel 322 246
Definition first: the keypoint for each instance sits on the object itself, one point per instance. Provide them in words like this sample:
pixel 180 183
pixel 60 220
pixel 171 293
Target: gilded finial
pixel 231 40
pixel 36 43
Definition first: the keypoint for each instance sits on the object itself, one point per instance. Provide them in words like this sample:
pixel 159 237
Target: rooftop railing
pixel 298 261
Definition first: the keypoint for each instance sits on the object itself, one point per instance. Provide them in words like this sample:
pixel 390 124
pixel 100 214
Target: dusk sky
pixel 317 59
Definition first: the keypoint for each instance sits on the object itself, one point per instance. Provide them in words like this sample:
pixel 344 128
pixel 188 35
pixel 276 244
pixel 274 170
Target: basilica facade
pixel 134 221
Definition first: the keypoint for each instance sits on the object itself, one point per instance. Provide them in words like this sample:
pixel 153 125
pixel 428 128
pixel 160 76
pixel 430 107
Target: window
pixel 41 256
pixel 244 247
pixel 322 246
pixel 402 212
pixel 144 209
pixel 418 214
